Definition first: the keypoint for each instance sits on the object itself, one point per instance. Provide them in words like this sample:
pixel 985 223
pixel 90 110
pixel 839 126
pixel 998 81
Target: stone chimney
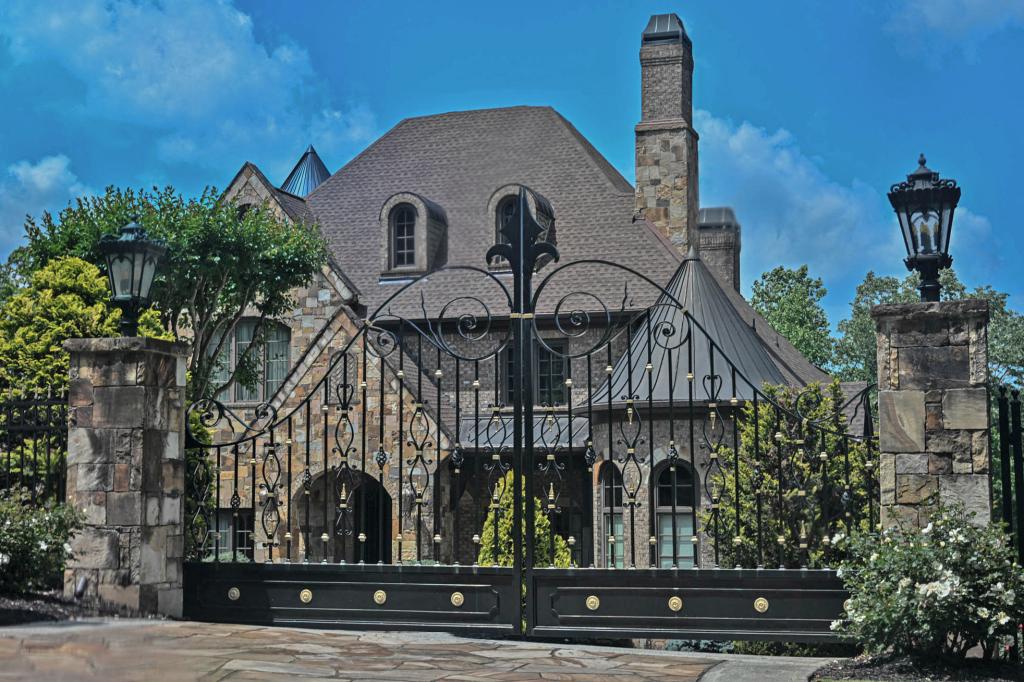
pixel 719 243
pixel 666 144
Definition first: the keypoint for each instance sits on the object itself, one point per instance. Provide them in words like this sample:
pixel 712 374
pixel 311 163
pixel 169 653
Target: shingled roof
pixel 459 160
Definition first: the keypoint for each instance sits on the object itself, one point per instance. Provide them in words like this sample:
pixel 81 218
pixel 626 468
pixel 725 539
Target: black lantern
pixel 924 205
pixel 132 260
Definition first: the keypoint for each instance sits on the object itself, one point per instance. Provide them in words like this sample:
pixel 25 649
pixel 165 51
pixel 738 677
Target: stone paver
pixel 162 651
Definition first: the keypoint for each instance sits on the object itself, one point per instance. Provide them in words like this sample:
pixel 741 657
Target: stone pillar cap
pixel 968 307
pixel 120 344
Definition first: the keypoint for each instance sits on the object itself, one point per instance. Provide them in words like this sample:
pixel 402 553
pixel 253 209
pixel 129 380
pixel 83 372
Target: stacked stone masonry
pixel 933 409
pixel 126 472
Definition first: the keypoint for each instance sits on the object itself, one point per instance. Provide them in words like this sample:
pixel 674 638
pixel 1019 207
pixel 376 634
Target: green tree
pixel 65 299
pixel 855 352
pixel 818 497
pixel 221 265
pixel 502 511
pixel 791 302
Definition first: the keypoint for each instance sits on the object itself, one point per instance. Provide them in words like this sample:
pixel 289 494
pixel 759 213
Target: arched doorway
pixel 367 513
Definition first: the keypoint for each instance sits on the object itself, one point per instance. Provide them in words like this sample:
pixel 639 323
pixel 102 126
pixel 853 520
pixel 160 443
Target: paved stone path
pixel 162 651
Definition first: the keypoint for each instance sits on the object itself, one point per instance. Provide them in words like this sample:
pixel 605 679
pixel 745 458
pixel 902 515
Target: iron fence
pixel 496 442
pixel 33 444
pixel 1011 465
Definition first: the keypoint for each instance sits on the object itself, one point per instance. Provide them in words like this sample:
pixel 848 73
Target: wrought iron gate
pixel 381 498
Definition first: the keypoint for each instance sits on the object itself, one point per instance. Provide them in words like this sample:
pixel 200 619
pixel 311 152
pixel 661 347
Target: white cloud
pixel 935 26
pixel 191 69
pixel 792 212
pixel 31 188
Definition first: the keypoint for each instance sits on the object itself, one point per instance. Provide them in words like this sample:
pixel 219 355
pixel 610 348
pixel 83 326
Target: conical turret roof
pixel 307 175
pixel 700 307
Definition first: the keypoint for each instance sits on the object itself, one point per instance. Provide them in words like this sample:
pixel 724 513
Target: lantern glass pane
pixel 121 275
pixel 947 221
pixel 925 227
pixel 148 272
pixel 908 240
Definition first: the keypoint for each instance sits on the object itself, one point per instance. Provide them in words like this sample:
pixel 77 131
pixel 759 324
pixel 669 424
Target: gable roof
pixel 713 316
pixel 458 160
pixel 307 175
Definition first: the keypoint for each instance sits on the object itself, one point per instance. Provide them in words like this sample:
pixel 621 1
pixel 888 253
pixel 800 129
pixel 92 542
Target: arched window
pixel 403 236
pixel 501 216
pixel 273 361
pixel 675 501
pixel 611 516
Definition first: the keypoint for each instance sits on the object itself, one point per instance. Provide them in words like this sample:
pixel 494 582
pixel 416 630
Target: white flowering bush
pixel 34 543
pixel 935 591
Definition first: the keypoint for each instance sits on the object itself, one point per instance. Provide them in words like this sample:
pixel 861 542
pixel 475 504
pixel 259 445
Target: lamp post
pixel 924 205
pixel 132 261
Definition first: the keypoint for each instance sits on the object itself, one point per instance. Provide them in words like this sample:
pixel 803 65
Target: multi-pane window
pixel 502 216
pixel 272 361
pixel 611 516
pixel 403 236
pixel 675 503
pixel 242 524
pixel 551 369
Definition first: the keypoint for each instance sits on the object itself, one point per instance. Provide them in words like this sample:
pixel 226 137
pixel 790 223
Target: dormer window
pixel 403 236
pixel 502 215
pixel 416 235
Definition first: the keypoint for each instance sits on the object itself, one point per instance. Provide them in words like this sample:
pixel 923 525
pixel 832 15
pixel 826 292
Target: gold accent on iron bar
pixel 675 604
pixel 379 597
pixel 234 593
pixel 306 596
pixel 760 604
pixel 458 599
pixel 593 603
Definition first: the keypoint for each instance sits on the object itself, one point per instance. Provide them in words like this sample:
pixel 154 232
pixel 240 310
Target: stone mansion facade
pixel 432 193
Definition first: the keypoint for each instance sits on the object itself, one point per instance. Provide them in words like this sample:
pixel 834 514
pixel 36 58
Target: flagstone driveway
pixel 161 651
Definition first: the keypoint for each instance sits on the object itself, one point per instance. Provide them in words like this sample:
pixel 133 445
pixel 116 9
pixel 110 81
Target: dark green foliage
pixel 542 533
pixel 33 543
pixel 219 267
pixel 791 302
pixel 819 498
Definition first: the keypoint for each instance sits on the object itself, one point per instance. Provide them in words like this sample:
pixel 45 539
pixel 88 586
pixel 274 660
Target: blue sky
pixel 807 111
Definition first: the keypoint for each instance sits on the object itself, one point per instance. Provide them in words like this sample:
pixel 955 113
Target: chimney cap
pixel 664 28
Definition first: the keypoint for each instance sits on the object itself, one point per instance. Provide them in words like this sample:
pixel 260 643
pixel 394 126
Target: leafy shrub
pixel 937 591
pixel 817 496
pixel 33 543
pixel 542 532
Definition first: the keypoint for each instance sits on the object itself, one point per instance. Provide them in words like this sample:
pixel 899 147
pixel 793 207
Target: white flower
pixel 835 625
pixel 1002 618
pixel 67 548
pixel 873 557
pixel 43 546
pixel 904 583
pixel 983 612
pixel 927 529
pixel 838 537
pixel 4 559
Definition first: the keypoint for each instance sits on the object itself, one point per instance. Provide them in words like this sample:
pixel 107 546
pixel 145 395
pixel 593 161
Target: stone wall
pixel 933 408
pixel 126 472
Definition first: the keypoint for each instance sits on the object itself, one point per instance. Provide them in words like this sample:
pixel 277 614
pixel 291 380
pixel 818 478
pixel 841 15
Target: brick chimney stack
pixel 666 144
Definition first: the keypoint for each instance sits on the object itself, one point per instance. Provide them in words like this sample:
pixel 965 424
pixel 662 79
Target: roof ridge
pixel 595 157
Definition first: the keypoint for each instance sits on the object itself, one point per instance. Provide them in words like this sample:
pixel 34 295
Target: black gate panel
pixel 359 596
pixel 767 604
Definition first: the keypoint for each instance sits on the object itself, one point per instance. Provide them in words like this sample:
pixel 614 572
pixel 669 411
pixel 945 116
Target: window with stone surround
pixel 682 494
pixel 273 361
pixel 551 369
pixel 403 236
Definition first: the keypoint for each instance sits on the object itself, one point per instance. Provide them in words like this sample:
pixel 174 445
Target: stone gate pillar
pixel 126 472
pixel 933 408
